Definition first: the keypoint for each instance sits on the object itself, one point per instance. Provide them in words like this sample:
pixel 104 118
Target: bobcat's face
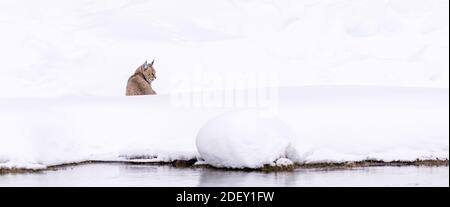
pixel 149 73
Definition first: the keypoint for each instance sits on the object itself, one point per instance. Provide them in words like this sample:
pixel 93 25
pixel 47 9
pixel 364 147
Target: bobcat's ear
pixel 151 64
pixel 145 65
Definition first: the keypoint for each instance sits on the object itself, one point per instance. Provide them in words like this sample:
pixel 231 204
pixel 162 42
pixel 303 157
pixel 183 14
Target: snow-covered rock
pixel 283 162
pixel 243 139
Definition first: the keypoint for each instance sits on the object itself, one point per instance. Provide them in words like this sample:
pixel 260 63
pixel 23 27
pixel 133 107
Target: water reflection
pixel 103 174
pixel 238 178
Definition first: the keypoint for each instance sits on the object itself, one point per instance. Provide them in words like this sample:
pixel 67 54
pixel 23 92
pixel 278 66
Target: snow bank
pixel 66 130
pixel 243 139
pixel 328 124
pixel 356 123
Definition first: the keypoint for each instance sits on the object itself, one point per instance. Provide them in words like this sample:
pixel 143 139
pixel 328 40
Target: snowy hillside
pixel 59 48
pixel 321 124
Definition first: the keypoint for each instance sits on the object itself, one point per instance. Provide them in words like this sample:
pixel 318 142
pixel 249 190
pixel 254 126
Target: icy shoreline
pixel 267 168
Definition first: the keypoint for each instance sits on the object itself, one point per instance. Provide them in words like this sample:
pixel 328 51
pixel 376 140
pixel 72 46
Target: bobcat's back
pixel 137 85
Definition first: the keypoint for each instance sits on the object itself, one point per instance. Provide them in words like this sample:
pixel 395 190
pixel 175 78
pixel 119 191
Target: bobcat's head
pixel 148 71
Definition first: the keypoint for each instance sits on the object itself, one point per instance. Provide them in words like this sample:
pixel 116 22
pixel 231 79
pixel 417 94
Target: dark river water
pixel 155 175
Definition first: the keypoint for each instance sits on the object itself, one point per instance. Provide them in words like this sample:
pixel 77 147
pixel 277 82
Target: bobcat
pixel 140 83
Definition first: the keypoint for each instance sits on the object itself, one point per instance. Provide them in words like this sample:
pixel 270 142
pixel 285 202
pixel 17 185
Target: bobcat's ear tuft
pixel 145 65
pixel 151 64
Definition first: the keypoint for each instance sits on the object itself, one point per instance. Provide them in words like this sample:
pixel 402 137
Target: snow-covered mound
pixel 243 139
pixel 329 124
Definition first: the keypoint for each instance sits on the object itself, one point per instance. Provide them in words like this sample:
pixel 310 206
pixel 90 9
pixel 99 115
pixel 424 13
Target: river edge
pixel 265 168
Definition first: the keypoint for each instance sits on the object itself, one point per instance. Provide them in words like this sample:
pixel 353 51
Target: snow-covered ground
pixel 314 124
pixel 349 79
